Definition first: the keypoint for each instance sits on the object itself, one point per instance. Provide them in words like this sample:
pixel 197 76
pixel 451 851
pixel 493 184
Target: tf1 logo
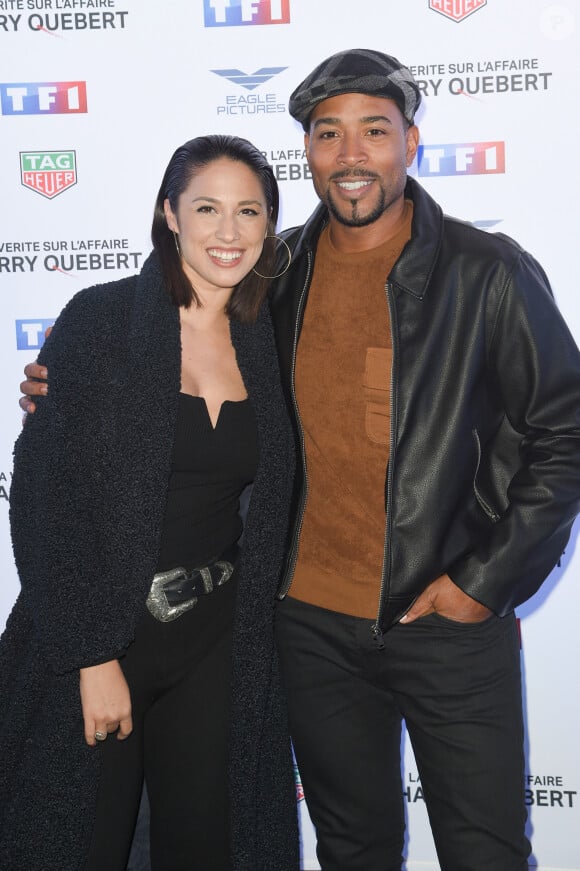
pixel 473 158
pixel 30 333
pixel 233 13
pixel 43 98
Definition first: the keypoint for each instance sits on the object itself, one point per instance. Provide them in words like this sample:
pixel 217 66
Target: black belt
pixel 175 591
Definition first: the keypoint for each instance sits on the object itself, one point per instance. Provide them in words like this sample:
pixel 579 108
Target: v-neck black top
pixel 210 468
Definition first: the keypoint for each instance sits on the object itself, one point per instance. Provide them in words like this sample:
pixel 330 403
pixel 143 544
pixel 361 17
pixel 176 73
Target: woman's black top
pixel 210 468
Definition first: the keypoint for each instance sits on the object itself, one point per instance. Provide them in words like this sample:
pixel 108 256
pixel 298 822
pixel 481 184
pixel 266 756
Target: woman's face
pixel 221 221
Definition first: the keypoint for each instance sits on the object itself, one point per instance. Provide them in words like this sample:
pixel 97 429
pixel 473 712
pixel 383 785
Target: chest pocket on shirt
pixel 377 393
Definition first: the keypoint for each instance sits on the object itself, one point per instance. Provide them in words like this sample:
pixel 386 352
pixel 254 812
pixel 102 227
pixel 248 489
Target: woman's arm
pixel 106 701
pixel 62 507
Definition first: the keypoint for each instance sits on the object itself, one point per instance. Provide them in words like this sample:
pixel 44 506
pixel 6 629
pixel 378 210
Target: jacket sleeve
pixel 535 369
pixel 56 492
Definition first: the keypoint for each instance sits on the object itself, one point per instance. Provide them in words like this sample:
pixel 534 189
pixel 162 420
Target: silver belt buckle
pixel 157 602
pixel 226 568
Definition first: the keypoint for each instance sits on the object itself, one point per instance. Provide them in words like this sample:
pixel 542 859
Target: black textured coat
pixel 87 505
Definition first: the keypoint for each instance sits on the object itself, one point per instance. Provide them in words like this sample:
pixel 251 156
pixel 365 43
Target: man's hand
pixel 106 701
pixel 31 387
pixel 444 597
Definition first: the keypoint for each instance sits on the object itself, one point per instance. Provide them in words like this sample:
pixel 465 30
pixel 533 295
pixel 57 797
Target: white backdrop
pixel 96 95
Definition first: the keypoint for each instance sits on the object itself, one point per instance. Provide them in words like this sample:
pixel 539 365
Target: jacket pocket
pixel 484 502
pixel 377 394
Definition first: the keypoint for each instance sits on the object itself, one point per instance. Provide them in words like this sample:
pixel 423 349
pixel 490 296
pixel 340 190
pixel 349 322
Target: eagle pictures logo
pixel 252 103
pixel 250 81
pixel 456 10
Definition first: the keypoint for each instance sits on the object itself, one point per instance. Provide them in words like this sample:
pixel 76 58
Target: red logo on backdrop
pixel 457 10
pixel 49 173
pixel 298 782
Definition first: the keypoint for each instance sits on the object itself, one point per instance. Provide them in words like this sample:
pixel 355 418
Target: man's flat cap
pixel 360 71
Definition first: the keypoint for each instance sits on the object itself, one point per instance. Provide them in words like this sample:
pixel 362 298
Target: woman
pixel 141 643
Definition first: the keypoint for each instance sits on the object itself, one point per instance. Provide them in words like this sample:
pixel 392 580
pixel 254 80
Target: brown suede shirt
pixel 343 374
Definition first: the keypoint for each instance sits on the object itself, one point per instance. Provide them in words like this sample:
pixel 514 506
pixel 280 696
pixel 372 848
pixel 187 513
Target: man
pixel 436 393
pixel 434 389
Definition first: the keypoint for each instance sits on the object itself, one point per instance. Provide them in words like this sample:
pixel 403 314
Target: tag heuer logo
pixel 49 173
pixel 457 10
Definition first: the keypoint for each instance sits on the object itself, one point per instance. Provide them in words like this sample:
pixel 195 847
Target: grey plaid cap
pixel 360 71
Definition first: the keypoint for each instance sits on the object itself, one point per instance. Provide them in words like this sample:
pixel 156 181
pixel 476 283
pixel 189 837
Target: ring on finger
pixel 100 736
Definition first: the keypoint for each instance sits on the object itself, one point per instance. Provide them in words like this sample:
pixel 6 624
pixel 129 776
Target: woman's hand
pixel 106 701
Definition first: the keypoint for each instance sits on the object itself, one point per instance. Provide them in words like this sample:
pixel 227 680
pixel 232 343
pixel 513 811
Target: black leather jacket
pixel 483 481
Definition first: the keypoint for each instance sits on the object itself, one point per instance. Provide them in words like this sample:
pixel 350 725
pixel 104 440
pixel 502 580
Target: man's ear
pixel 412 143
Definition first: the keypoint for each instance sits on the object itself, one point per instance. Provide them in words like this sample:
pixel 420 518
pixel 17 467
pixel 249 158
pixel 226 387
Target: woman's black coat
pixel 87 504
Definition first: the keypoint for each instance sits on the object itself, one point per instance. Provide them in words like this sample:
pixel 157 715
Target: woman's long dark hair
pixel 188 159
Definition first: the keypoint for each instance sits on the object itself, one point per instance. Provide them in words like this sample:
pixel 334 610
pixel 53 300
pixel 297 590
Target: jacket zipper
pixel 376 630
pixel 493 515
pixel 303 496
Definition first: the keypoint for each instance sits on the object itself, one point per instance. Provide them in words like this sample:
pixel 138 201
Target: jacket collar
pixel 412 271
pixel 154 318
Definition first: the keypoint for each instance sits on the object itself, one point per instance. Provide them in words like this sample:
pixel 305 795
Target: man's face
pixel 358 149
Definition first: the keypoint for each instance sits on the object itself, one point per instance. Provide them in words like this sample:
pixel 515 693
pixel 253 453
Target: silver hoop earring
pixel 286 268
pixel 176 240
